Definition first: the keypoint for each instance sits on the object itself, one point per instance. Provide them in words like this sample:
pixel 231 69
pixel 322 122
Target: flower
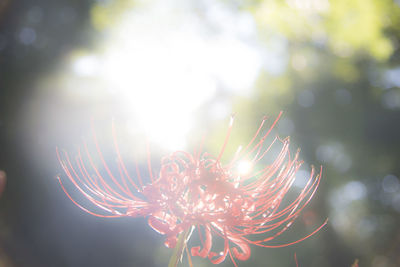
pixel 239 202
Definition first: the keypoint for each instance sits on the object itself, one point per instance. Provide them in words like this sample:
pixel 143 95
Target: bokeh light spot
pixel 306 98
pixel 27 36
pixel 390 183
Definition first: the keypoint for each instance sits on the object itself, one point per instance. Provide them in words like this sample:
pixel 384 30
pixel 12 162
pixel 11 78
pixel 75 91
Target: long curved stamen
pixel 198 191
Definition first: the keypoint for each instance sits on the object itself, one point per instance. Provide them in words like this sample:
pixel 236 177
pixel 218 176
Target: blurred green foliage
pixel 104 14
pixel 333 91
pixel 349 27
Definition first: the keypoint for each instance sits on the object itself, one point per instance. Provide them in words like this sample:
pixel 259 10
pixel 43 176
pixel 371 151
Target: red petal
pixel 222 255
pixel 206 245
pixel 158 225
pixel 246 252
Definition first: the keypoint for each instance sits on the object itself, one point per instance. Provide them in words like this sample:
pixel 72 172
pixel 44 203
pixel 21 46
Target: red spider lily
pixel 196 191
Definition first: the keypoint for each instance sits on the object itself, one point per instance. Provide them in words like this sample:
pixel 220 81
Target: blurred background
pixel 174 71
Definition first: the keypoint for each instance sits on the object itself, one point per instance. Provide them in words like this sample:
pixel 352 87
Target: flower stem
pixel 178 250
pixel 188 255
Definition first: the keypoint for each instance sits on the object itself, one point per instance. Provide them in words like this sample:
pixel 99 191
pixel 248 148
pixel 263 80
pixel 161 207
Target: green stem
pixel 178 250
